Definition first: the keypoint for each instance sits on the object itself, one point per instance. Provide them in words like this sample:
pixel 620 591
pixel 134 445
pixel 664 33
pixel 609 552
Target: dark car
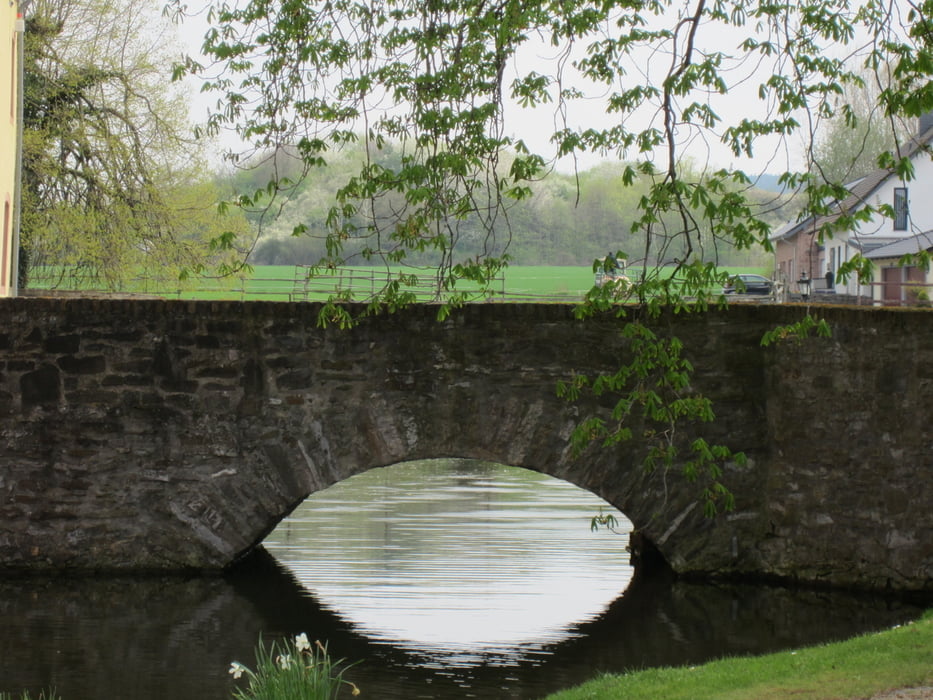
pixel 748 284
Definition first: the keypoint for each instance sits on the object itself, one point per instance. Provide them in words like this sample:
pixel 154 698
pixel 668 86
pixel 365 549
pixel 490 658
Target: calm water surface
pixel 445 579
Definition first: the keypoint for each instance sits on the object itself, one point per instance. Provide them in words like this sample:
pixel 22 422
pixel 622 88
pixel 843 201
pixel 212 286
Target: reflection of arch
pixel 196 626
pixel 659 621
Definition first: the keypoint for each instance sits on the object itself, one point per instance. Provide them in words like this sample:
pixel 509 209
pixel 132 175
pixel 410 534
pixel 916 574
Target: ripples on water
pixel 459 563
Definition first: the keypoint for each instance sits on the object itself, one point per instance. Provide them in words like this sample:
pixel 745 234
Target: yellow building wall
pixel 8 116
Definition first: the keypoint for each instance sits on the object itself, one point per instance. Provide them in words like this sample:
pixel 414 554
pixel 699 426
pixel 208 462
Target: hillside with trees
pixel 568 219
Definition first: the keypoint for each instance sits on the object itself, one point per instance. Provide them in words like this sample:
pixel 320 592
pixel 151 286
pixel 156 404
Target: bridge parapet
pixel 174 435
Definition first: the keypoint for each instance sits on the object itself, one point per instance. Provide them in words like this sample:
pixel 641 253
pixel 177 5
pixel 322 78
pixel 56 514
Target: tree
pixel 849 144
pixel 649 81
pixel 108 174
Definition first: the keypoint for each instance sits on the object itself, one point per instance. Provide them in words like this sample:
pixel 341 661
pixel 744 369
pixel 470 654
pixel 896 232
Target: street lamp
pixel 803 286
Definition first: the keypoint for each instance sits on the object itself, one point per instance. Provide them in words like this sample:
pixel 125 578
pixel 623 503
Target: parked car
pixel 749 284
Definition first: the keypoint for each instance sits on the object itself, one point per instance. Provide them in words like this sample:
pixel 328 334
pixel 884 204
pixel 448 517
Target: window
pixel 900 208
pixel 5 244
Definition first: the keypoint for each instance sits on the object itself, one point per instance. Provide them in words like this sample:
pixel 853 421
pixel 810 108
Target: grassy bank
pixel 858 668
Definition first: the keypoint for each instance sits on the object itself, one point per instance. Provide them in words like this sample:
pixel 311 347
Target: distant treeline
pixel 570 219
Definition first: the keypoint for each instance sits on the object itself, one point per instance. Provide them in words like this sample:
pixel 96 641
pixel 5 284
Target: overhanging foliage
pixel 456 87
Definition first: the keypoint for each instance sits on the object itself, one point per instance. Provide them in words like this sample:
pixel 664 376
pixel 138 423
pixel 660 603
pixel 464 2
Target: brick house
pixel 798 252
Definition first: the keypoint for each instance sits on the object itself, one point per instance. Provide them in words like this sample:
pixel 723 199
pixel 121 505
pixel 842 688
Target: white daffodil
pixel 302 643
pixel 236 670
pixel 284 661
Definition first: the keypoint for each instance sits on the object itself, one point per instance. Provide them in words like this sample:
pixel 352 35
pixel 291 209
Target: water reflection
pixel 458 562
pixel 157 638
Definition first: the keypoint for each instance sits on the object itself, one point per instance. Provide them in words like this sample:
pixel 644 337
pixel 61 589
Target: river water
pixel 443 579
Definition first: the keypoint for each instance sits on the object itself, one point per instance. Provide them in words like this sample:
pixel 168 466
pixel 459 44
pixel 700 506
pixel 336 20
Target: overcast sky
pixel 535 126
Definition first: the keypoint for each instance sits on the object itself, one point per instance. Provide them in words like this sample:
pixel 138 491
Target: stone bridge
pixel 143 435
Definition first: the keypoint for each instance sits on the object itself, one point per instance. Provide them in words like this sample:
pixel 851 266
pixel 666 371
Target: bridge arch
pixel 168 435
pixel 465 420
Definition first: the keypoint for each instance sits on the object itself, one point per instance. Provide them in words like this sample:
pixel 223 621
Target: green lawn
pixel 288 283
pixel 520 283
pixel 857 668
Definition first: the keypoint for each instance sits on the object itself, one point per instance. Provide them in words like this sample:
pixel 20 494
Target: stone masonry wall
pixel 165 435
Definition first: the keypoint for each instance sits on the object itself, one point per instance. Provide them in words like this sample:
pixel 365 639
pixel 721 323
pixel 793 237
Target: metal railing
pixel 357 283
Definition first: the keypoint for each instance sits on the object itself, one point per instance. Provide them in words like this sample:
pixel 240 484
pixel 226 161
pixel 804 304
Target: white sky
pixel 773 155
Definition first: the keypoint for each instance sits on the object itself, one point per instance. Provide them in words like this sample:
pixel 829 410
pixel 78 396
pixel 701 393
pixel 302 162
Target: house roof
pixel 903 246
pixel 867 244
pixel 859 192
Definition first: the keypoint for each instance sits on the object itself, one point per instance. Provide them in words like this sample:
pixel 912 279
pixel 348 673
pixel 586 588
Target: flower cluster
pixel 283 673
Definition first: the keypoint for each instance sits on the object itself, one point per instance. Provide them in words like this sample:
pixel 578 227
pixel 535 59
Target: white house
pixel 798 251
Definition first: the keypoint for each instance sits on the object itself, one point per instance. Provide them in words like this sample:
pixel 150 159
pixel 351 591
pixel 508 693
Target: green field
pixel 286 283
pixel 289 283
pixel 519 283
